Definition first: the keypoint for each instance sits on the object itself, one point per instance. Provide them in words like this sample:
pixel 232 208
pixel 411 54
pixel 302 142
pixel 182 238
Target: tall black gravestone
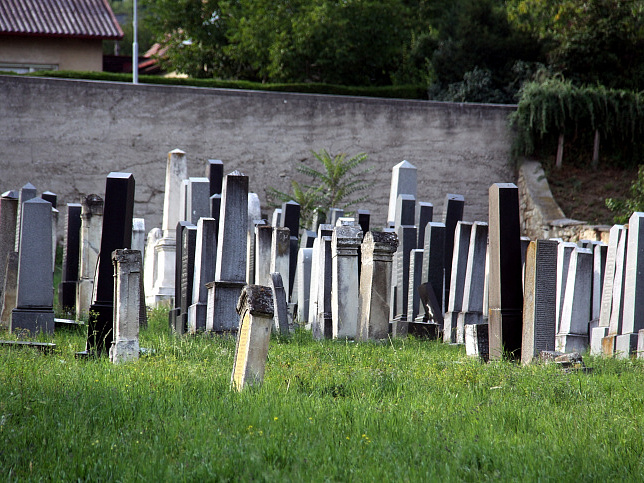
pixel 71 258
pixel 117 233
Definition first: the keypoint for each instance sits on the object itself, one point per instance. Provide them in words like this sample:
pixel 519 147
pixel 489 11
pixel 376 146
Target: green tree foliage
pixel 336 183
pixel 123 10
pixel 624 208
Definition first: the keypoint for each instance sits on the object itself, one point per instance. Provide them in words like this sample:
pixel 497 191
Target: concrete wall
pixel 67 54
pixel 66 135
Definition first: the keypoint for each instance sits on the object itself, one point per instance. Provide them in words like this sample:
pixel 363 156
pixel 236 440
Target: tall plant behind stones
pixel 337 183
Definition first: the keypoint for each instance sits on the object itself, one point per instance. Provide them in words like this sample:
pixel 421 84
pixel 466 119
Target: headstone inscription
pixel 255 307
pixel 505 284
pixel 127 280
pixel 116 233
pixel 34 310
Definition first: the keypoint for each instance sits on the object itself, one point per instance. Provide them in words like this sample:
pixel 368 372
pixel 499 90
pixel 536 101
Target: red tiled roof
pixel 59 18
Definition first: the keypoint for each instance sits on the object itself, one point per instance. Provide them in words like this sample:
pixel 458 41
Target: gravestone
pixel 116 233
pixel 10 288
pixel 175 321
pixel 291 220
pixel 176 172
pixel 27 192
pixel 276 219
pixel 433 261
pixel 263 248
pixel 197 199
pixel 454 205
pixel 306 238
pixel 138 235
pixel 304 260
pixel 430 324
pixel 34 310
pixel 405 229
pixel 474 287
pixel 415 275
pixel 600 251
pixel 633 321
pixel 215 175
pixel 51 197
pixel 317 273
pixel 8 218
pixel 205 258
pixel 187 271
pixel 254 219
pixel 564 253
pixel 255 307
pixel 319 218
pixel 572 335
pixel 127 280
pixel 334 215
pixel 403 182
pixel 90 245
pixel 323 322
pixel 424 215
pixel 377 251
pixel 67 287
pixel 215 206
pixel 345 247
pixel 505 284
pixel 280 255
pixel 461 249
pixel 280 319
pixel 364 219
pixel 617 309
pixel 477 342
pixel 184 202
pixel 230 272
pixel 150 263
pixel 539 313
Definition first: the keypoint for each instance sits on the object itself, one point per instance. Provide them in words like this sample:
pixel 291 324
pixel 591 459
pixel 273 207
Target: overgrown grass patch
pixel 404 410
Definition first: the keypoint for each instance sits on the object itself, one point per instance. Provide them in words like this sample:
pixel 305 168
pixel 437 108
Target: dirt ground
pixel 581 192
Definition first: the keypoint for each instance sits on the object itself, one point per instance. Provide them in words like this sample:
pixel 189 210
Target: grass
pixel 403 410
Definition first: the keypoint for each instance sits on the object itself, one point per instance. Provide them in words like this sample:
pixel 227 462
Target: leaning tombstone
pixel 461 249
pixel 404 181
pixel 204 272
pixel 255 307
pixel 280 306
pixel 281 255
pixel 68 285
pixel 474 287
pixel 632 320
pixel 116 233
pixel 377 251
pixel 176 172
pixel 572 335
pixel 345 246
pixel 539 314
pixel 454 205
pixel 230 274
pixel 34 310
pixel 127 280
pixel 505 287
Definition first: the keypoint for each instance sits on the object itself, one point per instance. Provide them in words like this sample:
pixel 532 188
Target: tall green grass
pixel 332 410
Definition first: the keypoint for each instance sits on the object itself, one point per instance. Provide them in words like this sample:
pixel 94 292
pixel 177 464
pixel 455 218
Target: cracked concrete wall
pixel 67 135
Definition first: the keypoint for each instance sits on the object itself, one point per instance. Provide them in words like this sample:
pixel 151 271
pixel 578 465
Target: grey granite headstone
pixel 474 287
pixel 215 206
pixel 276 219
pixel 306 238
pixel 188 248
pixel 617 306
pixel 433 271
pixel 345 248
pixel 281 255
pixel 600 251
pixel 505 287
pixel 198 199
pixel 377 251
pixel 27 192
pixel 174 316
pixel 334 214
pixel 539 314
pixel 34 299
pixel 462 237
pixel 615 235
pixel 323 326
pixel 280 317
pixel 291 220
pixel 205 260
pixel 404 180
pixel 51 197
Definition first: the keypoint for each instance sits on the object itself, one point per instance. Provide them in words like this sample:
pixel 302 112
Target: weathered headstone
pixel 34 310
pixel 230 272
pixel 116 233
pixel 127 280
pixel 304 260
pixel 454 205
pixel 617 309
pixel 377 252
pixel 280 322
pixel 90 245
pixel 505 287
pixel 276 219
pixel 415 276
pixel 205 258
pixel 462 237
pixel 255 307
pixel 263 247
pixel 323 322
pixel 404 181
pixel 71 255
pixel 539 313
pixel 345 246
pixel 323 230
pixel 572 335
pixel 176 172
pixel 27 192
pixel 474 287
pixel 150 263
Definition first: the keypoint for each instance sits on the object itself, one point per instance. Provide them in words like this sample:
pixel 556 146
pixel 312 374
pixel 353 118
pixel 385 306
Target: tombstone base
pixel 399 327
pixel 425 330
pixel 608 345
pixel 466 318
pixel 571 343
pixel 29 322
pixel 449 327
pixel 322 328
pixel 625 345
pixel 124 351
pixel 596 336
pixel 477 341
pixel 640 344
pixel 222 306
pixel 197 317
